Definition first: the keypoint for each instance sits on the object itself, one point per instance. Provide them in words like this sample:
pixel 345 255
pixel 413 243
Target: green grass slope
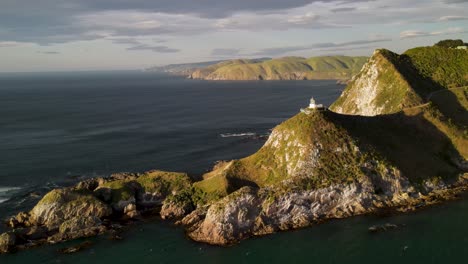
pixel 385 128
pixel 447 67
pixel 389 82
pixel 325 148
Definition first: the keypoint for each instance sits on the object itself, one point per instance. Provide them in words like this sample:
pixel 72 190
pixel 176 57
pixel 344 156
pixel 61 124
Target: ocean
pixel 59 128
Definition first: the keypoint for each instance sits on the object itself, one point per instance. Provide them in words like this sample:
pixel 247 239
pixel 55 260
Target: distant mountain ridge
pixel 188 68
pixel 183 68
pixel 286 68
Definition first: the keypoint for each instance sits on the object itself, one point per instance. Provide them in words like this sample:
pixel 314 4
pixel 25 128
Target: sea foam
pixel 248 134
pixel 7 192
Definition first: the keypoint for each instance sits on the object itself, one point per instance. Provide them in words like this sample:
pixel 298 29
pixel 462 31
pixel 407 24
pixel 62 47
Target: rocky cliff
pixel 383 145
pixel 389 82
pixel 339 167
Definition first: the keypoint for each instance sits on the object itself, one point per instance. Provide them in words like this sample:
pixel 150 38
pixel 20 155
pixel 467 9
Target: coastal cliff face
pixel 380 88
pixel 288 68
pixel 327 180
pixel 383 153
pixel 383 145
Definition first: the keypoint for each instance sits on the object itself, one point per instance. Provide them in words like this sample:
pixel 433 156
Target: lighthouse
pixel 313 105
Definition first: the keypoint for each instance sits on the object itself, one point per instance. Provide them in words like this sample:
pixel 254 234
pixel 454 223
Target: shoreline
pixel 113 225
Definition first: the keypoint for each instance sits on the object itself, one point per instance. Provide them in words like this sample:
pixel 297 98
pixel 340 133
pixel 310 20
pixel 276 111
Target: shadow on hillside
pixel 236 183
pixel 446 102
pixel 411 143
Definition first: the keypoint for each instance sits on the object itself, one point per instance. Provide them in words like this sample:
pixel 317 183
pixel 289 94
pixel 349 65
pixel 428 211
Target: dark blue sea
pixel 59 128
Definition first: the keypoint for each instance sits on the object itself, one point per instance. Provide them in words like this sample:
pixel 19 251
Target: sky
pixel 72 35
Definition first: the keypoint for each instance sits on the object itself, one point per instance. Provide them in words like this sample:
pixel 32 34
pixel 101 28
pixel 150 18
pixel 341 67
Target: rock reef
pixel 92 207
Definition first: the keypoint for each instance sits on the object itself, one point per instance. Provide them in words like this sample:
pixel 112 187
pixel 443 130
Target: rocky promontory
pixel 395 140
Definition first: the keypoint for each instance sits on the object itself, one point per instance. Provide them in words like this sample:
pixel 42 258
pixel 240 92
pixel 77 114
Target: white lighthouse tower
pixel 313 105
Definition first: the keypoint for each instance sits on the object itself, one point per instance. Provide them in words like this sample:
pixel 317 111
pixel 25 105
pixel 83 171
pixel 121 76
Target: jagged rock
pixel 79 223
pixel 61 205
pixel 230 219
pixel 175 210
pixel 193 220
pixel 127 176
pixel 131 211
pixel 88 232
pixel 22 219
pixel 7 242
pixel 248 212
pixel 89 184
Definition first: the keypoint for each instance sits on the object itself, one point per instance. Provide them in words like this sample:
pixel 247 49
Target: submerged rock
pixel 382 228
pixel 7 242
pixel 77 248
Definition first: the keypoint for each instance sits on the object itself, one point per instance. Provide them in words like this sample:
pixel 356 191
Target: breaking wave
pixel 248 134
pixel 7 192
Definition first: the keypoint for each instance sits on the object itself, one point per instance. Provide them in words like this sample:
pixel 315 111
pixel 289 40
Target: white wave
pixel 248 134
pixel 8 189
pixel 6 192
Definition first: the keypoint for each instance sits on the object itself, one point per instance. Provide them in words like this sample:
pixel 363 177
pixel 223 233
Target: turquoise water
pixel 56 129
pixel 435 235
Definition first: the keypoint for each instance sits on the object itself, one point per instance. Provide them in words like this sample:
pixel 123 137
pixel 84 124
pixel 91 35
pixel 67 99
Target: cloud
pixel 317 46
pixel 49 52
pixel 455 1
pixel 126 41
pixel 343 9
pixel 48 22
pixel 272 22
pixel 225 52
pixel 304 19
pixel 7 44
pixel 418 34
pixel 205 8
pixel 453 18
pixel 158 49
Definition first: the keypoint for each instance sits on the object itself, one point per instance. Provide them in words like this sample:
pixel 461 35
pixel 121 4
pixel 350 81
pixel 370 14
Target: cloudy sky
pixel 50 35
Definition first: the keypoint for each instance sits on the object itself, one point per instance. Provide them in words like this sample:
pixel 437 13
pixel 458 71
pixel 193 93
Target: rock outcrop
pixel 61 205
pixel 89 208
